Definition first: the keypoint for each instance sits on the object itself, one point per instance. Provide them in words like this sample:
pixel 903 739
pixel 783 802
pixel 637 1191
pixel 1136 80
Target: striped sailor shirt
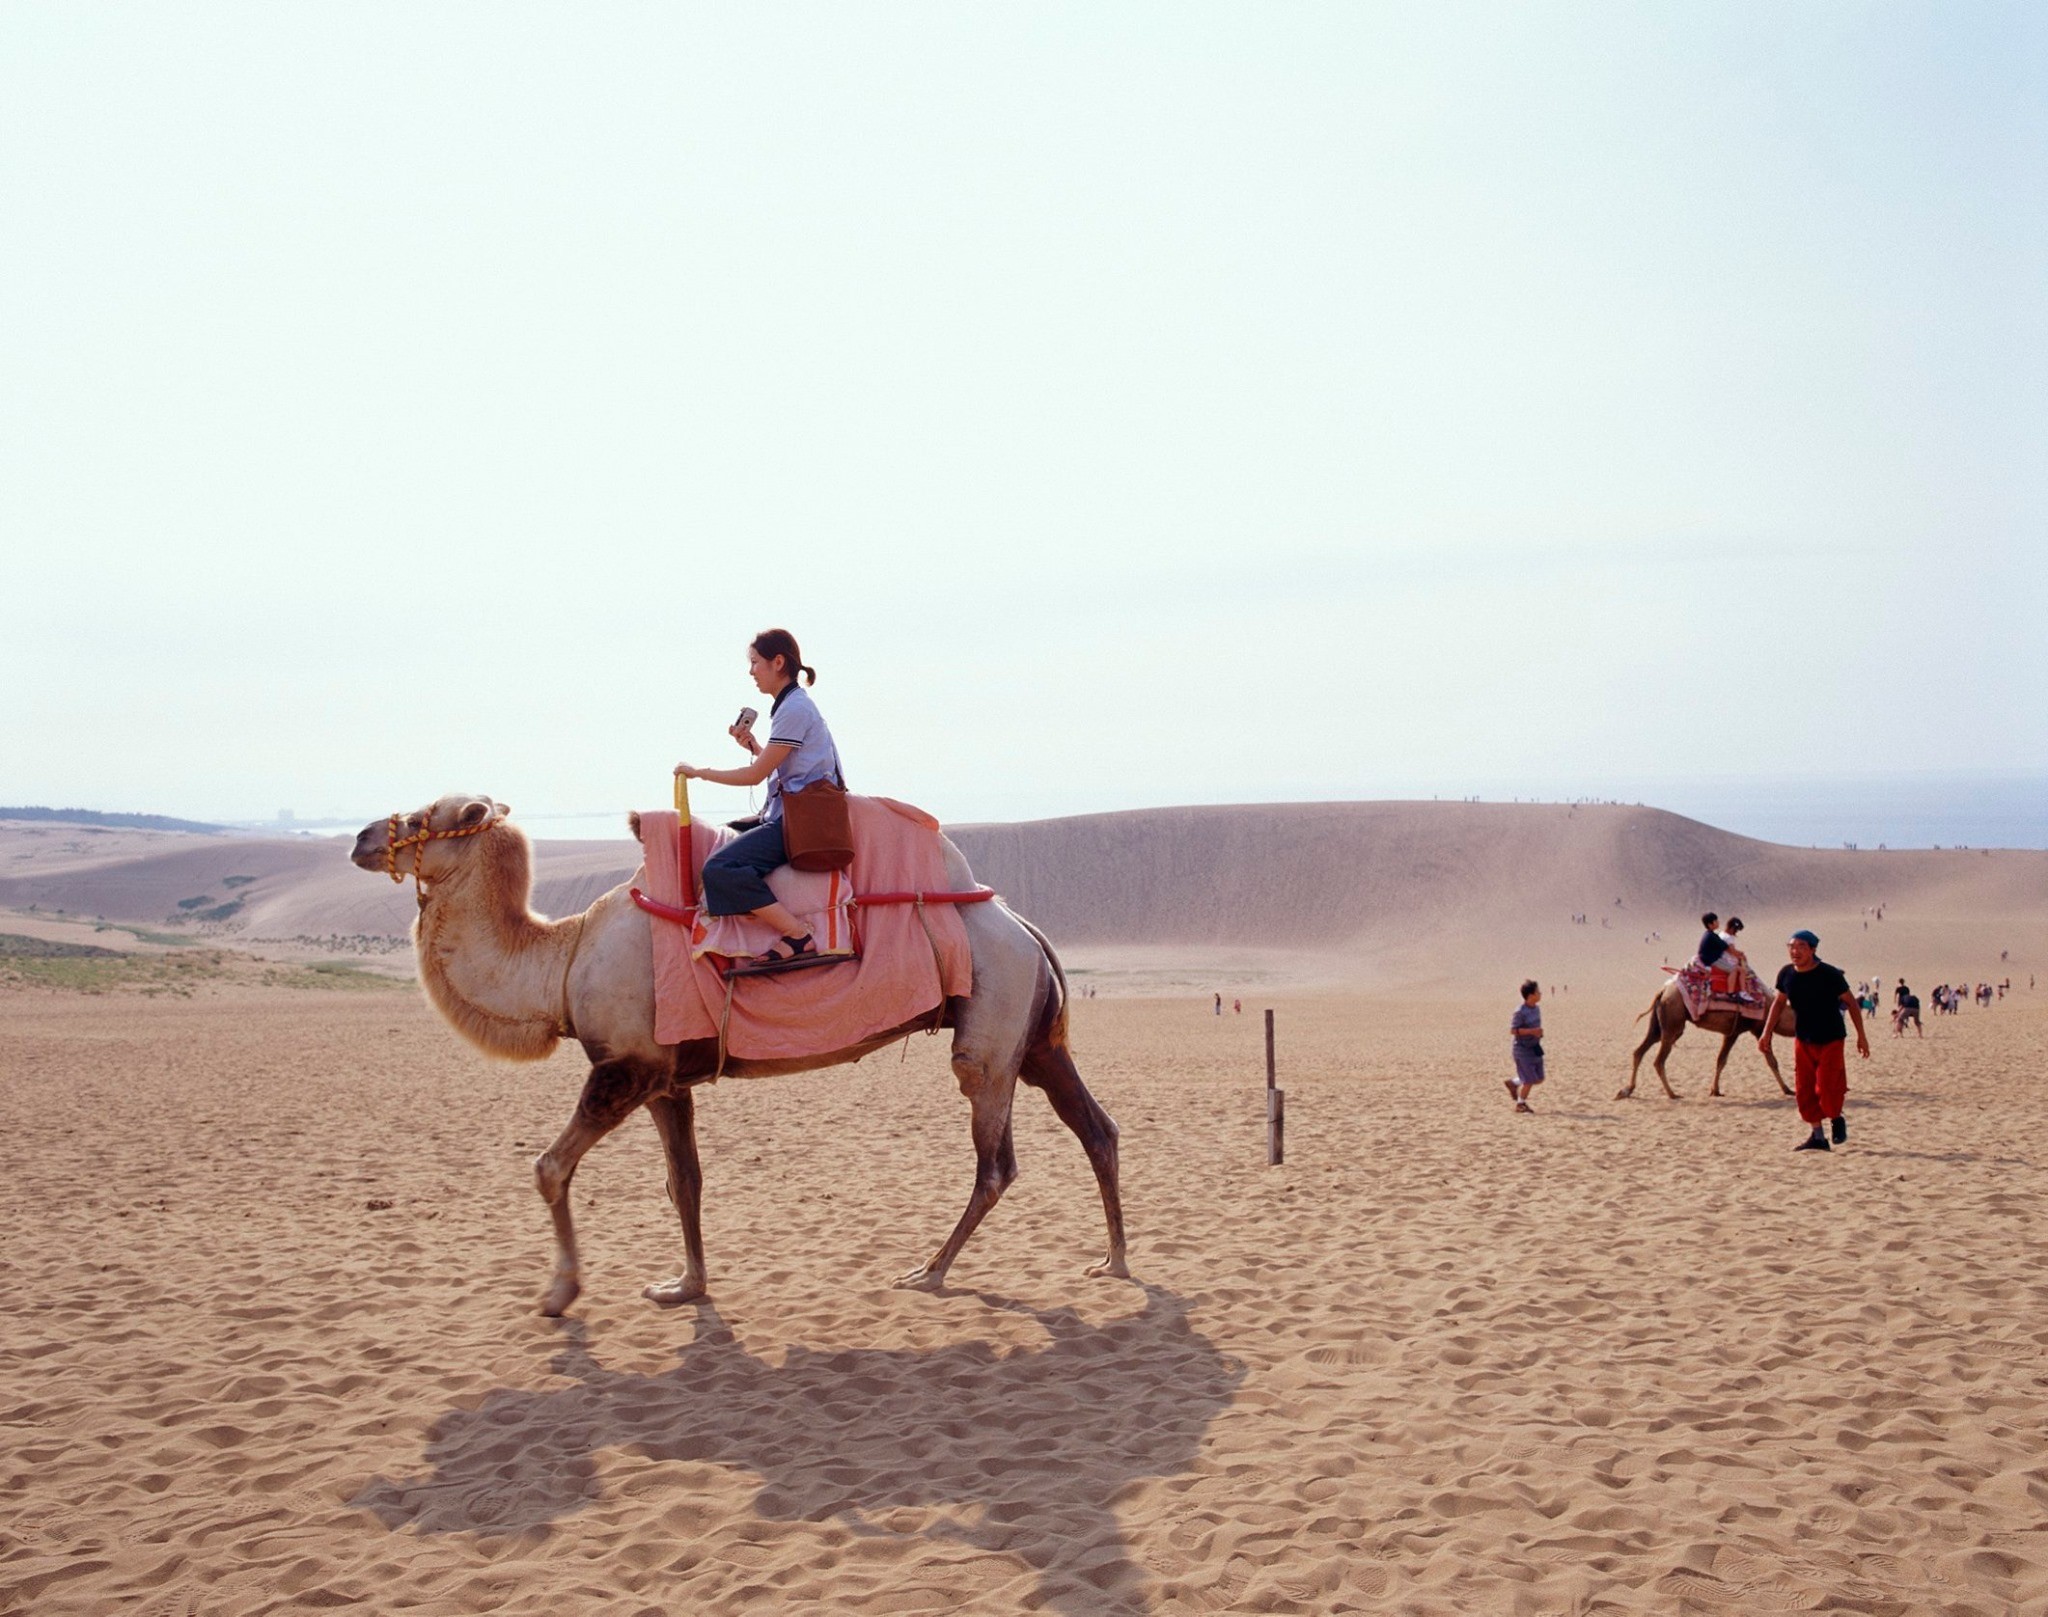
pixel 795 722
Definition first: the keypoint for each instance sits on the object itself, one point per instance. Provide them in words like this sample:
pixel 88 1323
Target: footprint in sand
pixel 1779 1594
pixel 1222 1592
pixel 1348 1353
pixel 1685 1584
pixel 1370 1581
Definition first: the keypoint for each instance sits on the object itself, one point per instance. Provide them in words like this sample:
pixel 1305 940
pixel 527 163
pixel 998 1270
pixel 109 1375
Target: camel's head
pixel 430 843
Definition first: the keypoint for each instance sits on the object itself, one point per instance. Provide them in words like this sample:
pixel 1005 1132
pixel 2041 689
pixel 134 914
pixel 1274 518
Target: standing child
pixel 1527 1026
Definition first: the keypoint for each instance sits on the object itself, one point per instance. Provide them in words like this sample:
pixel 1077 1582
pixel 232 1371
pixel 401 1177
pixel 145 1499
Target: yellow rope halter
pixel 393 842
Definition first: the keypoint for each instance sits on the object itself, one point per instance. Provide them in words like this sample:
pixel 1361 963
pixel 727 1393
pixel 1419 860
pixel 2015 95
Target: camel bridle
pixel 393 842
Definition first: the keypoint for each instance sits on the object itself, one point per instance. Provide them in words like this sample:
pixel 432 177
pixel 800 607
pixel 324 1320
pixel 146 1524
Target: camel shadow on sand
pixel 1025 1450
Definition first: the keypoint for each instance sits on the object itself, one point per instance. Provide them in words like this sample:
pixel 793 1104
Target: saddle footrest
pixel 768 968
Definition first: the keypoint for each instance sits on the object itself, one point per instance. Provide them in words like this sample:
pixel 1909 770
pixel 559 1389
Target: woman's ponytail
pixel 772 643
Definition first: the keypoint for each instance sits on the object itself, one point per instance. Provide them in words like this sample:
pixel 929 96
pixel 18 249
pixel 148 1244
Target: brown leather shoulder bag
pixel 817 831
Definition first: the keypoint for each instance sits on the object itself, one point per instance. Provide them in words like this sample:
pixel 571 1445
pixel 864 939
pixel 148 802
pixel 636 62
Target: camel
pixel 1668 1018
pixel 514 984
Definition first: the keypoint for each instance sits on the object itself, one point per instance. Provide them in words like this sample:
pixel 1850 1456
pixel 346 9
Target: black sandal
pixel 796 950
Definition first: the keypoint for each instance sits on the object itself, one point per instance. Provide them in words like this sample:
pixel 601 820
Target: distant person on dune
pixel 1818 994
pixel 1526 1026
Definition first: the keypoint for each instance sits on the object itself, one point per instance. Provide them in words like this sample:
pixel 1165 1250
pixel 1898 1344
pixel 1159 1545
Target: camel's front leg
pixel 675 1117
pixel 995 1164
pixel 612 1091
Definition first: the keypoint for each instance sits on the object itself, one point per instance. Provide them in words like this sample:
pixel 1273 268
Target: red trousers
pixel 1820 1079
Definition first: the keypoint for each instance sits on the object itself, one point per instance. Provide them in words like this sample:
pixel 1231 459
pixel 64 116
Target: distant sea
pixel 1898 811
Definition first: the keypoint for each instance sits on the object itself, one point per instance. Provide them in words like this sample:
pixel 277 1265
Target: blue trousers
pixel 736 877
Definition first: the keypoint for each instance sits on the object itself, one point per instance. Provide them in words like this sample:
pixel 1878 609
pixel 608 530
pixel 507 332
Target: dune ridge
pixel 1397 886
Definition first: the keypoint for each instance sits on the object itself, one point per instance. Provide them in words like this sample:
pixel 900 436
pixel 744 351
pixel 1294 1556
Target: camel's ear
pixel 504 810
pixel 475 813
pixel 633 822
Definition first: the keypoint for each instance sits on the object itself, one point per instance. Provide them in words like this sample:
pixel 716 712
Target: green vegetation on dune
pixel 193 912
pixel 106 973
pixel 82 968
pixel 14 945
pixel 168 940
pixel 336 974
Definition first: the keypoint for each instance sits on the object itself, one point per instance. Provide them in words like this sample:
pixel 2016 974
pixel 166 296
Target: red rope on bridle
pixel 393 842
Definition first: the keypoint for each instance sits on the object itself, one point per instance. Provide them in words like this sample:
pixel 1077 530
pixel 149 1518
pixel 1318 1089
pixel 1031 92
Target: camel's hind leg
pixel 990 1090
pixel 610 1095
pixel 1048 1066
pixel 675 1117
pixel 1663 1051
pixel 1720 1061
pixel 1635 1060
pixel 1756 1032
pixel 1650 1037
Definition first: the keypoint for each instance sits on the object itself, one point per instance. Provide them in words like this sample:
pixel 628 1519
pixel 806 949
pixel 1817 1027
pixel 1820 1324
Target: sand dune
pixel 1375 891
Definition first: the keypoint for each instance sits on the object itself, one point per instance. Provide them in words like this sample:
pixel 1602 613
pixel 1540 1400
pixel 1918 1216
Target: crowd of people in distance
pixel 1949 998
pixel 1818 995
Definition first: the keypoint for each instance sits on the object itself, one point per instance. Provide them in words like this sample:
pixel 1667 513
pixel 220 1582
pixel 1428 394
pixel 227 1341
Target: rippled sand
pixel 1618 1356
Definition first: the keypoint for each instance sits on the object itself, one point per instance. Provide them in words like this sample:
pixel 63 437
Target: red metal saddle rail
pixel 980 895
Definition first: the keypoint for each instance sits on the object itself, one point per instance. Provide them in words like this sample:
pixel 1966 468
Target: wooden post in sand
pixel 1276 1106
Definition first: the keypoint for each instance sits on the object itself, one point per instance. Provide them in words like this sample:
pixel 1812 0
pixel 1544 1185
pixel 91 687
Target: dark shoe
pixel 1840 1129
pixel 1816 1141
pixel 793 955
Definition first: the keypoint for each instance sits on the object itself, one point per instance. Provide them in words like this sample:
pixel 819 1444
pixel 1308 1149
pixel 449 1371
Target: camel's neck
pixel 489 964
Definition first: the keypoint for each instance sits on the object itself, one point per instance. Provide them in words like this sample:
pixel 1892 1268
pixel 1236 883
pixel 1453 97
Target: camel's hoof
pixel 672 1293
pixel 555 1301
pixel 1625 1094
pixel 1109 1269
pixel 921 1279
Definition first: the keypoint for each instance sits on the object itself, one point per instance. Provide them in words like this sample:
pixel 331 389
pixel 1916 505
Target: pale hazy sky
pixel 1125 404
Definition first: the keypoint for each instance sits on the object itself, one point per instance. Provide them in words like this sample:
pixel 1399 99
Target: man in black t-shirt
pixel 1818 994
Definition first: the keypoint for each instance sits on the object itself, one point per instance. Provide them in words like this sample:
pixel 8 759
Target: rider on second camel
pixel 799 752
pixel 1718 953
pixel 1712 944
pixel 1733 961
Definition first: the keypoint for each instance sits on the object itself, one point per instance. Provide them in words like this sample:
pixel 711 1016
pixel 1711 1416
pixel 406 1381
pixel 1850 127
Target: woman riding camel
pixel 799 752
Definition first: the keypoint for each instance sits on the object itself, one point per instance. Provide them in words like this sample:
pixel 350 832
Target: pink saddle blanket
pixel 910 959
